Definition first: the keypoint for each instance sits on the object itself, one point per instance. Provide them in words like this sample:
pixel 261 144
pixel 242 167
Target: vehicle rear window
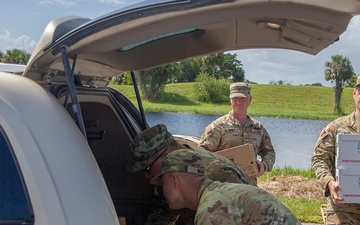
pixel 14 206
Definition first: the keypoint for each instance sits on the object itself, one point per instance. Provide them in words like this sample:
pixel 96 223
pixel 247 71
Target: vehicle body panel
pixel 154 35
pixel 12 68
pixel 60 173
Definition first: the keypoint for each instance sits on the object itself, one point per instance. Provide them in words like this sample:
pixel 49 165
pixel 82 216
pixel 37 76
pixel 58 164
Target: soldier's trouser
pixel 342 218
pixel 348 215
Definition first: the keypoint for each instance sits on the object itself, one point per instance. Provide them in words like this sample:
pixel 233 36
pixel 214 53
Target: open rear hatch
pixel 163 32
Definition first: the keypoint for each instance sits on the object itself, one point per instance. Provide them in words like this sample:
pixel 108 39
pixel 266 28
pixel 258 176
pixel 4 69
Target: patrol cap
pixel 240 89
pixel 148 143
pixel 357 82
pixel 181 161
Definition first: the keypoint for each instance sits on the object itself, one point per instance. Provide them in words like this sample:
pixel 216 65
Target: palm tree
pixel 15 56
pixel 338 70
pixel 214 61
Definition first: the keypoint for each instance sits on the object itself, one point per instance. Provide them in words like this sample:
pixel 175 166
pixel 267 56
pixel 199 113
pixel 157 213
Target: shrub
pixel 209 89
pixel 118 79
pixel 127 78
pixel 124 78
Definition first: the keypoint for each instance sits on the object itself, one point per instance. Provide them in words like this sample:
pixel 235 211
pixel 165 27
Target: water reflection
pixel 293 139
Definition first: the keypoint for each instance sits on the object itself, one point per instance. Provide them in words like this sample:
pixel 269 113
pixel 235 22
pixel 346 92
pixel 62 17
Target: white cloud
pixel 67 3
pixel 70 3
pixel 351 35
pixel 23 42
pixel 264 65
pixel 112 2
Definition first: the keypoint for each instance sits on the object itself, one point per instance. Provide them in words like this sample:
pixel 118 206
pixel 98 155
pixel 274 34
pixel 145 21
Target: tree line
pixel 15 56
pixel 212 74
pixel 215 72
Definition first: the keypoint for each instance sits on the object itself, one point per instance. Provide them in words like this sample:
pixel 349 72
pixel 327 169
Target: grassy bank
pixel 282 101
pixel 298 190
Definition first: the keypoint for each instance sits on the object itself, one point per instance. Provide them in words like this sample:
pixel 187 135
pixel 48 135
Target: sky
pixel 22 23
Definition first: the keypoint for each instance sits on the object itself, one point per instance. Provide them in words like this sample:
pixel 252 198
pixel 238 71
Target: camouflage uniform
pixel 323 163
pixel 222 169
pixel 227 132
pixel 149 142
pixel 227 203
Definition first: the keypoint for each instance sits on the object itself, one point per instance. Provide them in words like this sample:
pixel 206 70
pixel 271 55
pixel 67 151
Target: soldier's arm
pixel 323 159
pixel 228 172
pixel 238 176
pixel 210 140
pixel 267 152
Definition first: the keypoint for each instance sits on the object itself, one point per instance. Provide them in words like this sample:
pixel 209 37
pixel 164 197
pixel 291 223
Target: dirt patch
pixel 294 187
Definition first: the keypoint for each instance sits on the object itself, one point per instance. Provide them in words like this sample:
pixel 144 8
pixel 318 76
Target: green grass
pixel 278 101
pixel 287 171
pixel 304 209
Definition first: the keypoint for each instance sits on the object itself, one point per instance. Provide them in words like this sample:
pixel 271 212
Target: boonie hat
pixel 240 89
pixel 181 161
pixel 148 143
pixel 357 81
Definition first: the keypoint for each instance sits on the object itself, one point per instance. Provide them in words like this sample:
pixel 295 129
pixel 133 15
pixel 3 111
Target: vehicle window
pixel 14 204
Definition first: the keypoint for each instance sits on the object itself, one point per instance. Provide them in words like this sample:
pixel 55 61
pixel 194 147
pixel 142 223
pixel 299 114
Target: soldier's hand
pixel 261 168
pixel 334 188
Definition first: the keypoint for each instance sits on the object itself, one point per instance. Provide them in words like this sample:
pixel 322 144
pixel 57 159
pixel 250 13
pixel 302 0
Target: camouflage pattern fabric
pixel 323 164
pixel 347 214
pixel 240 89
pixel 227 203
pixel 182 161
pixel 227 132
pixel 217 168
pixel 147 143
pixel 221 169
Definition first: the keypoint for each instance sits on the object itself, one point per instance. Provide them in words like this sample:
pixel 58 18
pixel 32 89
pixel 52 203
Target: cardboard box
pixel 349 181
pixel 244 156
pixel 348 151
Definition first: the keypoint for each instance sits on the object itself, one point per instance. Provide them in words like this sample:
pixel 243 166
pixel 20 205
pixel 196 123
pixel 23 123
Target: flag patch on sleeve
pixel 208 129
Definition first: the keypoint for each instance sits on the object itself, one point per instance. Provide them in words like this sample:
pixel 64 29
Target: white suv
pixel 64 134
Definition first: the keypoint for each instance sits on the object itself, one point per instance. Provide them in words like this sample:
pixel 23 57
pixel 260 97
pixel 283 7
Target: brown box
pixel 244 156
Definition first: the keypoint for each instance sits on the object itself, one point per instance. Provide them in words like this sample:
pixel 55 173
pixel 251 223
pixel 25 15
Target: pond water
pixel 293 139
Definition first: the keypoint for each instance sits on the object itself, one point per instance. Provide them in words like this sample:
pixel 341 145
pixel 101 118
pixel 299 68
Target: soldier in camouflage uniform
pixel 323 163
pixel 238 128
pixel 151 146
pixel 185 184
